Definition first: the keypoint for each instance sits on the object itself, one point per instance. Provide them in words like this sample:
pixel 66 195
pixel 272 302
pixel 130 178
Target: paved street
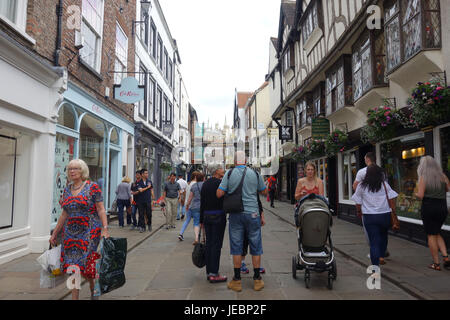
pixel 159 267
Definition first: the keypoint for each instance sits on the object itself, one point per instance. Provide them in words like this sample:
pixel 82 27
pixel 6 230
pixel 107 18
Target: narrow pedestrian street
pixel 160 268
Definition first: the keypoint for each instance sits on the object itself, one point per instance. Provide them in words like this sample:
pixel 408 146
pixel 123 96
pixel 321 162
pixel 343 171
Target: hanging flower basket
pixel 315 149
pixel 429 104
pixel 382 123
pixel 300 154
pixel 166 166
pixel 335 143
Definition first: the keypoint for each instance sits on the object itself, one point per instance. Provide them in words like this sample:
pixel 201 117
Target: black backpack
pixel 232 202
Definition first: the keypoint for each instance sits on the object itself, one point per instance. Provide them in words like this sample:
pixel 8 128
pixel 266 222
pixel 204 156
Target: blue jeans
pixel 377 227
pixel 241 224
pixel 191 214
pixel 186 222
pixel 120 205
pixel 183 210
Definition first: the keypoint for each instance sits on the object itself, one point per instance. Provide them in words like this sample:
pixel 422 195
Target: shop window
pixel 444 136
pixel 8 148
pixel 114 138
pixel 411 26
pixel 400 158
pixel 322 173
pixel 339 85
pixel 348 174
pixel 92 148
pixel 66 117
pixel 64 153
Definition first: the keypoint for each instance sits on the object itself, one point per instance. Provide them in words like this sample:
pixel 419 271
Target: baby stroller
pixel 313 219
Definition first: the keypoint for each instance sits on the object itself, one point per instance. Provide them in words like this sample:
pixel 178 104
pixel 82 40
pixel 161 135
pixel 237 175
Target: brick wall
pixel 42 24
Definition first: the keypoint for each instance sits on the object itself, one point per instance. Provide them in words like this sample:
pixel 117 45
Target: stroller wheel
pixel 334 270
pixel 330 280
pixel 307 279
pixel 294 267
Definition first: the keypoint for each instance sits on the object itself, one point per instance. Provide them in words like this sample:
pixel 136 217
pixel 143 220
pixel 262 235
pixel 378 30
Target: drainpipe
pixel 59 13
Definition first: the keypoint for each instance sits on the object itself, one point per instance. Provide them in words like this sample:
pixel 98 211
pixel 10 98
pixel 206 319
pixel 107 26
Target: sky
pixel 224 45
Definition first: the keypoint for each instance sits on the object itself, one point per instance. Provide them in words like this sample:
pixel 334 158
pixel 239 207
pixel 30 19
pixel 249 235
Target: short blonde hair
pixel 126 179
pixel 83 166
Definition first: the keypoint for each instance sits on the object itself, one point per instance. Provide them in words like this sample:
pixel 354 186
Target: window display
pixel 400 158
pixel 7 179
pixel 348 171
pixel 444 135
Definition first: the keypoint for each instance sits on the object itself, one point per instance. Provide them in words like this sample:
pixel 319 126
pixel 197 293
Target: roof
pixel 243 98
pixel 288 9
pixel 274 41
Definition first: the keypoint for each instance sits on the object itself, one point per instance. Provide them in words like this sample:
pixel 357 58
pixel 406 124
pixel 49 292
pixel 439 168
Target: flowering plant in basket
pixel 429 104
pixel 335 142
pixel 315 148
pixel 381 124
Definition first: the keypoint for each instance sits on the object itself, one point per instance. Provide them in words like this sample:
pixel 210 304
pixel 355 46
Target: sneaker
pixel 132 227
pixel 178 218
pixel 262 270
pixel 258 285
pixel 180 237
pixel 173 227
pixel 216 279
pixel 244 268
pixel 182 217
pixel 141 230
pixel 235 285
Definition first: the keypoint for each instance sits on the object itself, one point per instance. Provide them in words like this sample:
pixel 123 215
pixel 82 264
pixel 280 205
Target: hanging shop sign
pixel 320 128
pixel 129 91
pixel 286 133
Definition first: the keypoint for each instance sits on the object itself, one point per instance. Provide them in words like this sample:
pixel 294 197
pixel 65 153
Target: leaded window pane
pixel 341 96
pixel 357 85
pixel 366 70
pixel 393 43
pixel 410 9
pixel 392 11
pixel 432 30
pixel 412 37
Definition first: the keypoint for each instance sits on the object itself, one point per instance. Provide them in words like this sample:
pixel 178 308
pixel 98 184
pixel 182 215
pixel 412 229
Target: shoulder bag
pixel 395 224
pixel 232 202
pixel 199 252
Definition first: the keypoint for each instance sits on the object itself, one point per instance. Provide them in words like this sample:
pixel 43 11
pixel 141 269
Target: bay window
pixel 368 63
pixel 319 100
pixel 304 111
pixel 311 20
pixel 339 85
pixel 411 26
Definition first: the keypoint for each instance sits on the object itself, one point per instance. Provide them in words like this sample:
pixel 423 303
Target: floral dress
pixel 82 229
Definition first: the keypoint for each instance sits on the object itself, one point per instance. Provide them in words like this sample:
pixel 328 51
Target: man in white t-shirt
pixel 369 159
pixel 183 185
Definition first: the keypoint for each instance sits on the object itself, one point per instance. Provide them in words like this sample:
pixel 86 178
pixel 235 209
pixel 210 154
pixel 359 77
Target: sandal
pixel 435 266
pixel 382 261
pixel 446 263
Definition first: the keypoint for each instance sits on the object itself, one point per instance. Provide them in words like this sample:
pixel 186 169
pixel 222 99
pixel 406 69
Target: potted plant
pixel 429 104
pixel 335 142
pixel 382 123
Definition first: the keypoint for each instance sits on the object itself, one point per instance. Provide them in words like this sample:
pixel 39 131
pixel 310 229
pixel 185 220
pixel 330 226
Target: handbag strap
pixel 387 197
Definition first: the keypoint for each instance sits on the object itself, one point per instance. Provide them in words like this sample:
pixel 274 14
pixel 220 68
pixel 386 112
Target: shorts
pixel 434 213
pixel 195 213
pixel 241 224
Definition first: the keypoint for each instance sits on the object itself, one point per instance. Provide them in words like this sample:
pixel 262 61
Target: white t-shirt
pixel 361 174
pixel 183 184
pixel 374 202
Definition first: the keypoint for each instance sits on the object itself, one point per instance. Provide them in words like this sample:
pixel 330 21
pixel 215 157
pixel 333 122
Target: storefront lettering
pixel 96 109
pixel 128 94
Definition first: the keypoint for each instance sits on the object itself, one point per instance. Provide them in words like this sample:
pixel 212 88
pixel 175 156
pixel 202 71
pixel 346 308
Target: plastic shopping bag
pixel 50 261
pixel 49 280
pixel 110 267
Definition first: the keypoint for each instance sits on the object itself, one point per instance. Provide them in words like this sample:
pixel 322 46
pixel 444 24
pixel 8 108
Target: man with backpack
pixel 241 186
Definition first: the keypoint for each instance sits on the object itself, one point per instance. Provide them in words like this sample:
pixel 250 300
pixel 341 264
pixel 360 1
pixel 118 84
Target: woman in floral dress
pixel 84 222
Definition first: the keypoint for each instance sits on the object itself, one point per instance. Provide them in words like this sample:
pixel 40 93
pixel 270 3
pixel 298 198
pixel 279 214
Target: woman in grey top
pixel 123 193
pixel 193 204
pixel 432 188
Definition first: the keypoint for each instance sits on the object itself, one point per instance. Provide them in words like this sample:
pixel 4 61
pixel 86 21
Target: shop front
pixel 89 131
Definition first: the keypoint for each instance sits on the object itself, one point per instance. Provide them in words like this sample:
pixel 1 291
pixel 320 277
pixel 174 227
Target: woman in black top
pixel 213 218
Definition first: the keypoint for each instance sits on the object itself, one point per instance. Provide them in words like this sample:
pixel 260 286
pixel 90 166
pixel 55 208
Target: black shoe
pixel 387 254
pixel 182 217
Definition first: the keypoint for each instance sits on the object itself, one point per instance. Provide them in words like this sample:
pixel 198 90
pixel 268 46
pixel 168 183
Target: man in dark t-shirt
pixel 145 188
pixel 134 205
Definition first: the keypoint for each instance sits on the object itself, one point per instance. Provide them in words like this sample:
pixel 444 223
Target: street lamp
pixel 145 6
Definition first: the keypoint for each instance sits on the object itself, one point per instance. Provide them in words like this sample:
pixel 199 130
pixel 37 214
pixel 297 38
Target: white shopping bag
pixel 49 280
pixel 50 260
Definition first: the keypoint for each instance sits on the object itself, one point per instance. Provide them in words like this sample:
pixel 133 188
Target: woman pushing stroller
pixel 309 184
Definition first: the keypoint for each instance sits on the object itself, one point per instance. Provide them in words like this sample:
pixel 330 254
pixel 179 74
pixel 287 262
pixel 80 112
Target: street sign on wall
pixel 320 128
pixel 129 91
